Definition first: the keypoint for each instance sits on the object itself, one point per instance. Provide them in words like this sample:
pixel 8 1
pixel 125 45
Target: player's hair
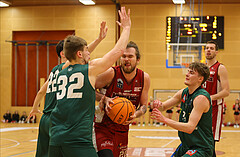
pixel 72 44
pixel 213 42
pixel 201 68
pixel 59 47
pixel 134 45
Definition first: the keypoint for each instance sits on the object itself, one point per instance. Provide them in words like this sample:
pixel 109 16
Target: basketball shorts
pixel 43 136
pixel 217 115
pixel 72 151
pixel 182 151
pixel 169 111
pixel 115 141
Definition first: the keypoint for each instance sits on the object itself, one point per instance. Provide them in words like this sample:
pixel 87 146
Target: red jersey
pixel 213 86
pixel 130 90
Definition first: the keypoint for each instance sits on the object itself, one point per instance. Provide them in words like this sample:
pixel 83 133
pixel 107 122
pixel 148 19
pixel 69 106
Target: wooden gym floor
pixel 20 140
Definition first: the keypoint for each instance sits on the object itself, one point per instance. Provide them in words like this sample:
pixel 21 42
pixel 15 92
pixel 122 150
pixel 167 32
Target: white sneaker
pixel 235 126
pixel 143 124
pixel 139 124
pixel 149 124
pixel 223 125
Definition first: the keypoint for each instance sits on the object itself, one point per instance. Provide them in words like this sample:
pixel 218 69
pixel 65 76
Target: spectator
pixel 7 117
pixel 15 117
pixel 23 117
pixel 236 109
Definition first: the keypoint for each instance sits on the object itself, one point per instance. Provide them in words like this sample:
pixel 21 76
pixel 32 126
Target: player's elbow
pixel 190 129
pixel 227 92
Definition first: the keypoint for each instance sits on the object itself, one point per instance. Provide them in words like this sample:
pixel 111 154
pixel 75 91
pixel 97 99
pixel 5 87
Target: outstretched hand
pixel 125 18
pixel 105 102
pixel 103 30
pixel 157 104
pixel 157 115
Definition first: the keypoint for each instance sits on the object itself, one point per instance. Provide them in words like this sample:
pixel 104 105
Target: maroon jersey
pixel 213 86
pixel 130 90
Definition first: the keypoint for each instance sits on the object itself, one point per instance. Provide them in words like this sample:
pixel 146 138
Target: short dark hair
pixel 201 68
pixel 59 47
pixel 72 44
pixel 134 45
pixel 213 42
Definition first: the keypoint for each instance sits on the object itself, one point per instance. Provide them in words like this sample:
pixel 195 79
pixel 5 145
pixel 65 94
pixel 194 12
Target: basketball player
pixel 217 86
pixel 72 118
pixel 124 81
pixel 48 89
pixel 195 120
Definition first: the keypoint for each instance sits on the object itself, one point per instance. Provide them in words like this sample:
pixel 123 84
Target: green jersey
pixel 202 136
pixel 72 118
pixel 50 99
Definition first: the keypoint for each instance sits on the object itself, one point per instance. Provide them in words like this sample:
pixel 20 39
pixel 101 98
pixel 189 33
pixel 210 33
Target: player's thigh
pixel 120 144
pixel 104 138
pixel 72 151
pixel 43 137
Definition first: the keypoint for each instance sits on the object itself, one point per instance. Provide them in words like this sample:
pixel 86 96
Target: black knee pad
pixel 105 153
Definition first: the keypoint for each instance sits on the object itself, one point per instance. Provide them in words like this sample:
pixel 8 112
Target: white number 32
pixel 70 92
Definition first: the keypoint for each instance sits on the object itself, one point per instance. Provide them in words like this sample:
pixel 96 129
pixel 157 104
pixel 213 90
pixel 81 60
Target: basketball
pixel 121 111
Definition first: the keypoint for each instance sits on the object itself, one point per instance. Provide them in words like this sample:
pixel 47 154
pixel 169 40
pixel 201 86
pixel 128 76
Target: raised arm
pixel 102 35
pixel 223 75
pixel 100 65
pixel 200 105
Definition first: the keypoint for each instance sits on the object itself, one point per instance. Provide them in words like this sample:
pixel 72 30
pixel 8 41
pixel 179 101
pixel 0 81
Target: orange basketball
pixel 121 110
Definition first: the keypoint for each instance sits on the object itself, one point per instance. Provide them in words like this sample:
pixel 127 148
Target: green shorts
pixel 71 151
pixel 43 136
pixel 183 151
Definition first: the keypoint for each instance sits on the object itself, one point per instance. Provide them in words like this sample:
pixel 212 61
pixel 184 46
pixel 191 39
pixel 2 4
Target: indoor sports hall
pixel 170 35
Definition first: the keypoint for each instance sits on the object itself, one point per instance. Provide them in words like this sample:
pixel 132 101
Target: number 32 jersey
pixel 72 118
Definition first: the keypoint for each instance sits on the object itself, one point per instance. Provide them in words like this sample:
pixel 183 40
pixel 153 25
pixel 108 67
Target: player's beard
pixel 210 57
pixel 128 71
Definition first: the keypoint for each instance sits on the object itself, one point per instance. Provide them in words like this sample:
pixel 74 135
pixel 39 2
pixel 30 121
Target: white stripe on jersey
pixel 218 123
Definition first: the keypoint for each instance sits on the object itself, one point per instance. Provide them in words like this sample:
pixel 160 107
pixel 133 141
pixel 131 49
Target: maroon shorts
pixel 113 140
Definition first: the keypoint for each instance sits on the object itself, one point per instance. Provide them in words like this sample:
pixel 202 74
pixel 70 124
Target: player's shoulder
pixel 146 76
pixel 222 70
pixel 222 67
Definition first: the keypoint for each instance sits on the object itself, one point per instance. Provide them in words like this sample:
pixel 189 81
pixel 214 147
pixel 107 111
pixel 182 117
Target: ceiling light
pixel 87 2
pixel 178 1
pixel 4 4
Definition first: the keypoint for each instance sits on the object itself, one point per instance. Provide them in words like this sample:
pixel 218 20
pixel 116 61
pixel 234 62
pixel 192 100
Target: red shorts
pixel 217 115
pixel 113 140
